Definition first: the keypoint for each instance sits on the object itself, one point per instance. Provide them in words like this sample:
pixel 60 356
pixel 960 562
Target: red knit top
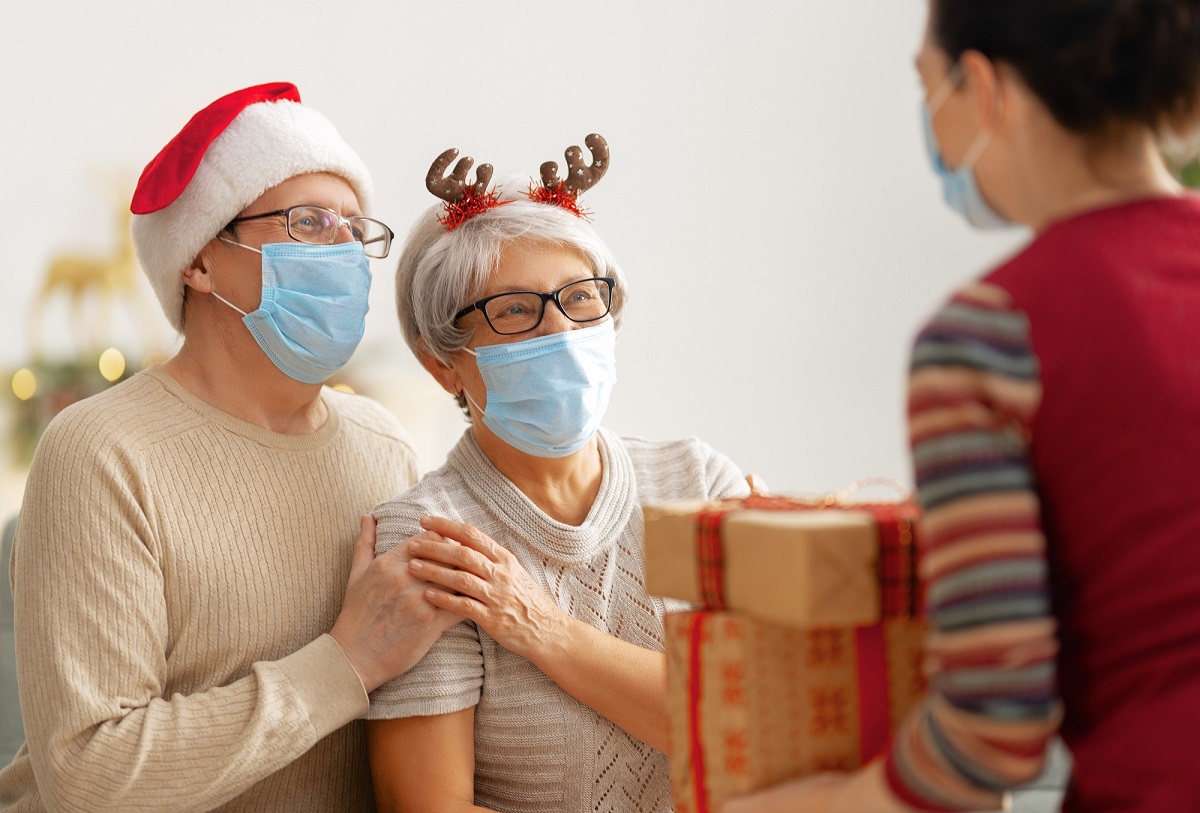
pixel 1078 364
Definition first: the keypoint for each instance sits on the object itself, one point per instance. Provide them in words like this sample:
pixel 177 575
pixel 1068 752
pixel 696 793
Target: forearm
pixel 192 751
pixel 617 679
pixel 973 390
pixel 424 764
pixel 387 804
pixel 483 582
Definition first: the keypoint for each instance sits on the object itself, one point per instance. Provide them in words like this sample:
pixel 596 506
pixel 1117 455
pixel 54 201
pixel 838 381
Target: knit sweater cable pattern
pixel 175 570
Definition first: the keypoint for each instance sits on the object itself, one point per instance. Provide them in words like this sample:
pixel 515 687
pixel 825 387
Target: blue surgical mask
pixel 546 395
pixel 959 186
pixel 314 306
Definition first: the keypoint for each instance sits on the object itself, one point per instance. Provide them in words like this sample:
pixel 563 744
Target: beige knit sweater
pixel 537 749
pixel 175 570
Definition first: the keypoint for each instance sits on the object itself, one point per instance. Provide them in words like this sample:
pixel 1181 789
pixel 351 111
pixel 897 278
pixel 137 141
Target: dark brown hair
pixel 1093 63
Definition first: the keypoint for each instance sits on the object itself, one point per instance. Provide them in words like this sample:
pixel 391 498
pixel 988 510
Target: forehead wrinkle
pixel 339 197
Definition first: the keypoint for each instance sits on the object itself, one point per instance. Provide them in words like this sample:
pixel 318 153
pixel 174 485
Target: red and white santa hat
pixel 222 160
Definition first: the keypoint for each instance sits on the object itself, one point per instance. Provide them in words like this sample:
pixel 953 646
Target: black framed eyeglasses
pixel 316 224
pixel 519 311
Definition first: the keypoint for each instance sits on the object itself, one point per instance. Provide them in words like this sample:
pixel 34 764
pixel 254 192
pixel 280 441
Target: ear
pixel 196 275
pixel 984 82
pixel 448 377
pixel 197 278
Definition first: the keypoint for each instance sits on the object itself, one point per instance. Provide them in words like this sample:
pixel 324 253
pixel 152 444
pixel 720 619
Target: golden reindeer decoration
pixel 103 278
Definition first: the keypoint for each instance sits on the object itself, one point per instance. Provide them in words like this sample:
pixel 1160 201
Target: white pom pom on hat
pixel 222 160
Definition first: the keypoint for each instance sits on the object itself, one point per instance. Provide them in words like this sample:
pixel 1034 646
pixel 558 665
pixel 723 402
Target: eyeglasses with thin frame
pixel 585 300
pixel 321 226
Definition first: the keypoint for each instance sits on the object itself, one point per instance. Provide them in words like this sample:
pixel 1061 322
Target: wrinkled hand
pixel 484 582
pixel 385 625
pixel 864 791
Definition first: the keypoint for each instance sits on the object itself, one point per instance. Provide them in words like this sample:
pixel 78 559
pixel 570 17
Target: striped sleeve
pixel 974 387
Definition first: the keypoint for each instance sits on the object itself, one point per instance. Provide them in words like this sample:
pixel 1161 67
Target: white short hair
pixel 442 272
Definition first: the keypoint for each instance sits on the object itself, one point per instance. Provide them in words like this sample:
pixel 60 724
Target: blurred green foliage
pixel 1189 174
pixel 59 384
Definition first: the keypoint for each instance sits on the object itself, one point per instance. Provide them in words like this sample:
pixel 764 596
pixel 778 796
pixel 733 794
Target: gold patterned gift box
pixel 807 668
pixel 752 703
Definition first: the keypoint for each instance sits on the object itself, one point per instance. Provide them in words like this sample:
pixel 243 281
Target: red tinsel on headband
pixel 471 204
pixel 558 195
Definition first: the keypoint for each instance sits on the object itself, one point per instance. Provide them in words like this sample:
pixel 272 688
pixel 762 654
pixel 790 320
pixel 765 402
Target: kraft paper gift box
pixel 785 560
pixel 752 703
pixel 808 654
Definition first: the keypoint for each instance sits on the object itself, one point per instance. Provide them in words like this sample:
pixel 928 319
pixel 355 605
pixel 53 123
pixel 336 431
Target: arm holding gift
pixel 973 390
pixel 865 790
pixel 992 706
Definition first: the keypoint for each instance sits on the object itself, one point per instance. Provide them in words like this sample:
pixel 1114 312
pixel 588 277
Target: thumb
pixel 364 547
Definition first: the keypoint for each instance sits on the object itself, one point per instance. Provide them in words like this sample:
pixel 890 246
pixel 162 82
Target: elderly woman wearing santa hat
pixel 197 626
pixel 551 696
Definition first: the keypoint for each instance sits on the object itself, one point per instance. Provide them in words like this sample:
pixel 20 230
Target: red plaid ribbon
pixel 710 553
pixel 900 588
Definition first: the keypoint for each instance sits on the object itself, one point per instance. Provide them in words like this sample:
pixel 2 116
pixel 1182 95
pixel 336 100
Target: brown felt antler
pixel 580 176
pixel 454 187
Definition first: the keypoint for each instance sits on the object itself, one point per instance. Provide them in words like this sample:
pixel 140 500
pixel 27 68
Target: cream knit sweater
pixel 537 749
pixel 175 570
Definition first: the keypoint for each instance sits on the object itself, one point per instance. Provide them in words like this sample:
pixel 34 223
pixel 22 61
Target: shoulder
pixel 977 350
pixel 979 327
pixel 367 415
pixel 1071 258
pixel 92 460
pixel 132 415
pixel 644 451
pixel 441 492
pixel 681 468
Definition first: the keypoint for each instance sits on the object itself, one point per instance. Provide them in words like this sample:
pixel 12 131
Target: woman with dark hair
pixel 1054 415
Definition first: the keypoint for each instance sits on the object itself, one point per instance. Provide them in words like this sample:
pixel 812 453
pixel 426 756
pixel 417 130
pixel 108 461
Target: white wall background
pixel 769 196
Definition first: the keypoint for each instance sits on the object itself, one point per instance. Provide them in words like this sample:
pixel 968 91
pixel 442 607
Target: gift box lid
pixel 785 561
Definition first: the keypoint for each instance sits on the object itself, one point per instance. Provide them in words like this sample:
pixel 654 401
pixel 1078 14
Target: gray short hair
pixel 442 272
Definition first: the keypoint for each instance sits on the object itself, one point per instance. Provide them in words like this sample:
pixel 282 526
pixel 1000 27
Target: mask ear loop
pixel 474 403
pixel 249 248
pixel 463 392
pixel 242 245
pixel 230 304
pixel 938 98
pixel 981 142
pixel 950 83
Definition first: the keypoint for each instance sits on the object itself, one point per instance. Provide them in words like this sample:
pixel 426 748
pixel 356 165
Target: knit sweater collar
pixel 317 439
pixel 556 540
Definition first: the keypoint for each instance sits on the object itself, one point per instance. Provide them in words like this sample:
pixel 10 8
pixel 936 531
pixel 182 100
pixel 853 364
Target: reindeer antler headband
pixel 465 200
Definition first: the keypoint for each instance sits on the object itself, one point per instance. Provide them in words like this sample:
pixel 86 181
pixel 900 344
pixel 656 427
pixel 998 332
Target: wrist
pixel 360 664
pixel 552 642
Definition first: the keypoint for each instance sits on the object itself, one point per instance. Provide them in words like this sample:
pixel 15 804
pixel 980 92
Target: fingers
pixel 435 548
pixel 465 534
pixel 458 581
pixel 364 547
pixel 460 606
pixel 758 486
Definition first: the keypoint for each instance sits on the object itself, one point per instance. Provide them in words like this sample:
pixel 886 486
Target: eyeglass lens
pixel 582 301
pixel 315 224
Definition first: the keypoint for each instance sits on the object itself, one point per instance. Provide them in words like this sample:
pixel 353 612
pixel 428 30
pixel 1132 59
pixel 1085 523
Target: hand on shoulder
pixel 386 626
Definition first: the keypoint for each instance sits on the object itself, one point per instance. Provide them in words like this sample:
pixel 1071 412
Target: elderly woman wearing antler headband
pixel 549 697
